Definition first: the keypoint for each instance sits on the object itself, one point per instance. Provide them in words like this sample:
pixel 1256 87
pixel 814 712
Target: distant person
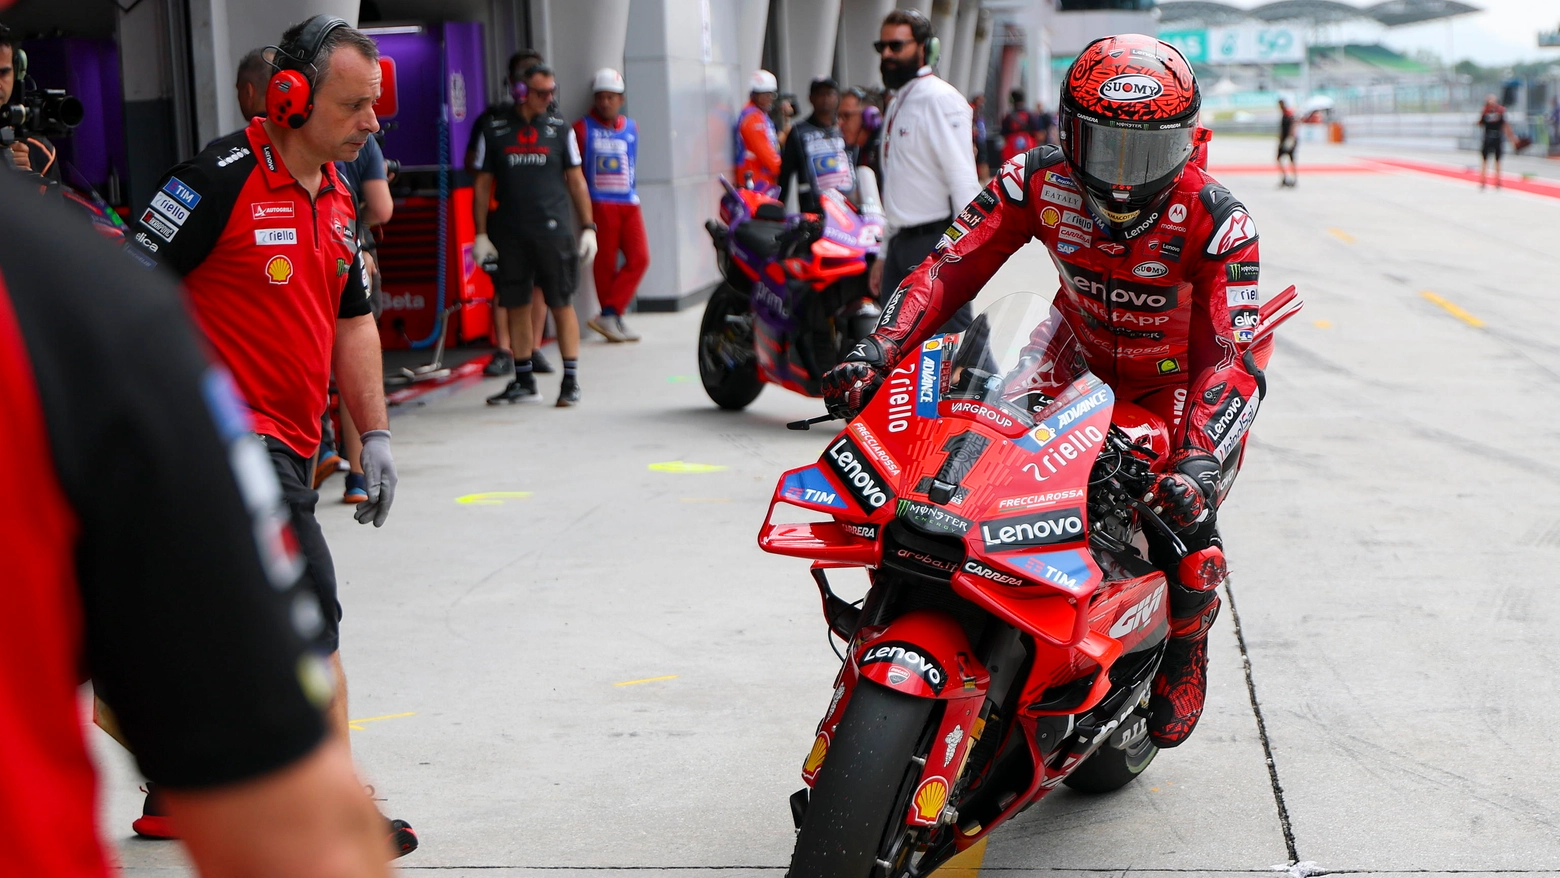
pixel 1496 132
pixel 1286 144
pixel 1045 124
pixel 1020 128
pixel 978 133
pixel 610 143
pixel 367 177
pixel 532 166
pixel 861 126
pixel 928 169
pixel 756 150
pixel 814 156
pixel 503 362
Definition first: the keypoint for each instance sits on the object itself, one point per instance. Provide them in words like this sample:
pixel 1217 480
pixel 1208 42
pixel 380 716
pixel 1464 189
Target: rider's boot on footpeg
pixel 1182 683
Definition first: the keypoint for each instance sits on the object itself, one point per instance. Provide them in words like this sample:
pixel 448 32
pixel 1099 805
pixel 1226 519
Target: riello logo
pixel 1129 88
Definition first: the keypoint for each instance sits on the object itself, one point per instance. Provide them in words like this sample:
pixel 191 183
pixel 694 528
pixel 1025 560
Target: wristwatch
pixel 591 226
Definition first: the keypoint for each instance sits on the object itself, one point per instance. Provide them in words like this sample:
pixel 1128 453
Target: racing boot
pixel 154 821
pixel 403 839
pixel 521 388
pixel 1181 685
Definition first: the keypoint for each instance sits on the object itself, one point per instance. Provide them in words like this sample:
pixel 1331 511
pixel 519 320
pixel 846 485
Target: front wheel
pixel 864 786
pixel 1113 767
pixel 728 367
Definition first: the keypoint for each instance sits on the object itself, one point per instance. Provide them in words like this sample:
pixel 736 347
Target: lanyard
pixel 898 102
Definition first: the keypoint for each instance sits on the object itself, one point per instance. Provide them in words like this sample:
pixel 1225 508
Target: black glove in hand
pixel 1184 497
pixel 848 387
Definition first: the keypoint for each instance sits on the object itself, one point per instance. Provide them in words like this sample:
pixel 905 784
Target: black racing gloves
pixel 1185 496
pixel 848 387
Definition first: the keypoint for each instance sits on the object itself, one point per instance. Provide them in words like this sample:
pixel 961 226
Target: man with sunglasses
pixel 532 167
pixel 928 166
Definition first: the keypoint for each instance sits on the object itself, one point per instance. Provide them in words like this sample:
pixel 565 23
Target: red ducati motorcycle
pixel 1013 625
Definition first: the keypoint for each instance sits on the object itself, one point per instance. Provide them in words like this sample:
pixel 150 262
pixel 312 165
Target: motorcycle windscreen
pixel 1019 355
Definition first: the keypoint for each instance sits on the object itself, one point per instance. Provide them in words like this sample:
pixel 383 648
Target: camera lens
pixel 70 111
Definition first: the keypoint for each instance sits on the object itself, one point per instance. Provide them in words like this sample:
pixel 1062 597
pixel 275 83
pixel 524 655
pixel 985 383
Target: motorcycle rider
pixel 1158 264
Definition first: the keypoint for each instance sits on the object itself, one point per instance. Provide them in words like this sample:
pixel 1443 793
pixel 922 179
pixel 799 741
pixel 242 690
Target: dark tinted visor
pixel 1130 157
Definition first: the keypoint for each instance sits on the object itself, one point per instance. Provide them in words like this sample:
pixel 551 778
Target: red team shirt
pixel 267 272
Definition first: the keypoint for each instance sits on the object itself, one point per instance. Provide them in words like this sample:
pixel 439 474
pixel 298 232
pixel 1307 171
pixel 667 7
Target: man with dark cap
pixel 815 153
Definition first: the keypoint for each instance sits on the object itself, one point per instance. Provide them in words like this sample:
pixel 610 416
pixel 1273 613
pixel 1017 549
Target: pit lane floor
pixel 602 673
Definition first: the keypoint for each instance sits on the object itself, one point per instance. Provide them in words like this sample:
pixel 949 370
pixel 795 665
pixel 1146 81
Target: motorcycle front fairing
pixel 952 449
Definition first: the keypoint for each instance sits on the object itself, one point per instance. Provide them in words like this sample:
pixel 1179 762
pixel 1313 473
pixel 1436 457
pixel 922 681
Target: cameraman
pixel 23 152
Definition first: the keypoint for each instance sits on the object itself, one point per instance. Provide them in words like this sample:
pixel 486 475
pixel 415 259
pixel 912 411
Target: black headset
pixel 289 96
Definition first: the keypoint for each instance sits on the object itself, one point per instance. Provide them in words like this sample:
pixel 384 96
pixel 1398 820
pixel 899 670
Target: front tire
pixel 728 367
pixel 1112 767
pixel 861 789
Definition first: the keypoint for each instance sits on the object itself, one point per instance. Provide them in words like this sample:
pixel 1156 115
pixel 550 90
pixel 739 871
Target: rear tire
pixel 862 780
pixel 728 367
pixel 1111 767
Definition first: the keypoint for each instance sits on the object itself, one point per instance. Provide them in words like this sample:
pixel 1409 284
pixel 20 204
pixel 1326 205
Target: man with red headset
pixel 262 231
pixel 1159 269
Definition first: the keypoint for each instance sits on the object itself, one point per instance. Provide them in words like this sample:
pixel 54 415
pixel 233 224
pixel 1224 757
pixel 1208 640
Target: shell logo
pixel 1050 216
pixel 820 749
pixel 930 798
pixel 279 269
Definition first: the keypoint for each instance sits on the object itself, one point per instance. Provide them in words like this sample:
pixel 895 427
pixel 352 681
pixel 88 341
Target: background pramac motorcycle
pixel 1013 625
pixel 795 297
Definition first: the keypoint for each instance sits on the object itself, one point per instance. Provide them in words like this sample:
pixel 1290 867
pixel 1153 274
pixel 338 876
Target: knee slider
pixel 1203 570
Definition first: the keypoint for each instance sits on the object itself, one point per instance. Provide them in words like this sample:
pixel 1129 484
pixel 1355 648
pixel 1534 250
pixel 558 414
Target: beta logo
pixel 405 302
pixel 1131 88
pixel 1141 615
pixel 906 657
pixel 1029 531
pixel 279 270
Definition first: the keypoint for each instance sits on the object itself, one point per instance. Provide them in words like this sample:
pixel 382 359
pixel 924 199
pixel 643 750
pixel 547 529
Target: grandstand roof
pixel 1391 13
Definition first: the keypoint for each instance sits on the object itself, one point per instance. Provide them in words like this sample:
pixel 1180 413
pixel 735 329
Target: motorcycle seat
pixel 759 237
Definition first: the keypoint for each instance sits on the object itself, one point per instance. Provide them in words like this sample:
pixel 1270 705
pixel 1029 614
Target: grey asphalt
pixel 1390 537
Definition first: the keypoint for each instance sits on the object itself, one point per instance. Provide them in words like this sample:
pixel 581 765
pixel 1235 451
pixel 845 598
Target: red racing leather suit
pixel 1165 315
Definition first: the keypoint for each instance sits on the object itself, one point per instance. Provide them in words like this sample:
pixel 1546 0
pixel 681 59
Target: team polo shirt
pixel 267 272
pixel 528 161
pixel 611 152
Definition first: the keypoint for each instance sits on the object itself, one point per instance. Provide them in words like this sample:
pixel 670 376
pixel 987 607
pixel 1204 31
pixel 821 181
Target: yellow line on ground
pixel 491 498
pixel 646 680
pixel 1324 324
pixel 353 723
pixel 1341 235
pixel 967 864
pixel 1453 309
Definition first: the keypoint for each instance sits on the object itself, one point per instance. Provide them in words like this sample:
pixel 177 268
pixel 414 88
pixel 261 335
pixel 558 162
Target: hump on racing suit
pixel 1165 310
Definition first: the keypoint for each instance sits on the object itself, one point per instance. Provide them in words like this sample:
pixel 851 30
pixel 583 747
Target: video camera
pixel 49 112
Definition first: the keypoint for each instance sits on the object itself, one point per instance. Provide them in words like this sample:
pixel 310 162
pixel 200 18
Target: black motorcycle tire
pixel 1110 768
pixel 730 386
pixel 862 780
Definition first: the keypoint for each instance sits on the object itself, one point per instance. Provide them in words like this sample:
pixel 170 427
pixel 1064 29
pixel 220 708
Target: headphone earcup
pixel 288 99
pixel 19 65
pixel 933 51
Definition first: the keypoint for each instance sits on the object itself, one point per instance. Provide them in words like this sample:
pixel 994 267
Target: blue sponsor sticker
pixel 1064 248
pixel 929 378
pixel 177 188
pixel 228 411
pixel 1067 569
pixel 1099 394
pixel 812 487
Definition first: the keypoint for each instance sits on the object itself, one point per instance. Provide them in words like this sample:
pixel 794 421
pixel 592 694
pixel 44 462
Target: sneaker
pixel 503 363
pixel 568 392
pixel 623 330
pixel 607 325
pixel 403 839
pixel 357 489
pixel 521 388
pixel 153 823
pixel 329 463
pixel 539 364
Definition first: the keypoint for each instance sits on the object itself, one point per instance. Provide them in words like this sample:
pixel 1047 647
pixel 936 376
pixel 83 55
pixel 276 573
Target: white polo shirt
pixel 928 163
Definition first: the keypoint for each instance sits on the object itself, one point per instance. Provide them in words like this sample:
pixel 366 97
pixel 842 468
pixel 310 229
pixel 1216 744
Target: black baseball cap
pixel 822 82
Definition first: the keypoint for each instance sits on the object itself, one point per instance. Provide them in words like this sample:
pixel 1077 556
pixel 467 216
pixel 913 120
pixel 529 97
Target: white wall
pixel 861 22
pixel 810 29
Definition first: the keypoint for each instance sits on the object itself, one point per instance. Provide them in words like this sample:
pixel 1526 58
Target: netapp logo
pixel 1029 531
pixel 863 481
pixel 985 572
